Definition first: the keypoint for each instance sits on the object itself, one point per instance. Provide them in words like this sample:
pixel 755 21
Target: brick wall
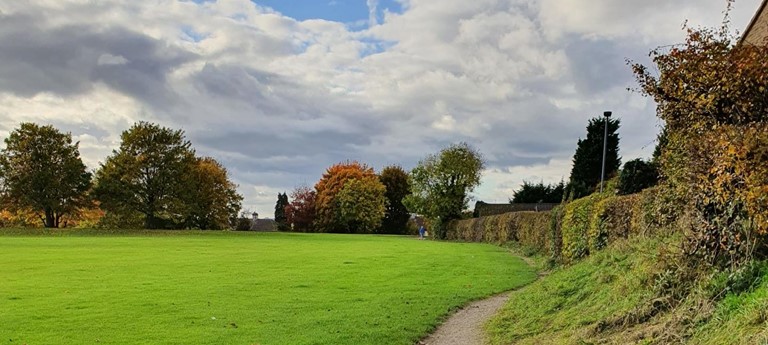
pixel 758 31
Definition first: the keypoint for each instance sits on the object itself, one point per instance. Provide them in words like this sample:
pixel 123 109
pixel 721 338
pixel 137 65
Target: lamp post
pixel 606 114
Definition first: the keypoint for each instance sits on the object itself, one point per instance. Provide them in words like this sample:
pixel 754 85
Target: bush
pixel 555 234
pixel 636 176
pixel 243 224
pixel 528 228
pixel 575 227
pixel 617 216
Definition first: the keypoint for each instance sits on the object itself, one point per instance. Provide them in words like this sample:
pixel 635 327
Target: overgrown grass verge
pixel 567 305
pixel 618 296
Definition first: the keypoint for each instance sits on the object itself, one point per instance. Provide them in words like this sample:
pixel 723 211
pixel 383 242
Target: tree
pixel 395 179
pixel 362 205
pixel 147 174
pixel 212 199
pixel 588 159
pixel 280 218
pixel 41 170
pixel 441 184
pixel 329 186
pixel 636 176
pixel 300 213
pixel 530 193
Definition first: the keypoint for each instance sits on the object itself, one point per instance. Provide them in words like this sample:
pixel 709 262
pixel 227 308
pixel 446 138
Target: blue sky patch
pixel 344 11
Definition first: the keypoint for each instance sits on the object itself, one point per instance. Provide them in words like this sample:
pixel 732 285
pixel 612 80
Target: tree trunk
pixel 50 219
pixel 150 222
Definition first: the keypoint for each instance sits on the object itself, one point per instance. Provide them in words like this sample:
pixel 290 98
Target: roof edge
pixel 753 21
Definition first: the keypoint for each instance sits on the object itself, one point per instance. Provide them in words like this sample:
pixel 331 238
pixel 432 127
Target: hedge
pixel 528 228
pixel 572 231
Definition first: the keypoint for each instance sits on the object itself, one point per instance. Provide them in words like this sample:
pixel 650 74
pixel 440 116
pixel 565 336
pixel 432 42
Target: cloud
pixel 372 12
pixel 278 100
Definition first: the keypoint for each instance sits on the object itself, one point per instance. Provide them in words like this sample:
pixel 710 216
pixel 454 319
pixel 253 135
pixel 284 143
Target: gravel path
pixel 466 326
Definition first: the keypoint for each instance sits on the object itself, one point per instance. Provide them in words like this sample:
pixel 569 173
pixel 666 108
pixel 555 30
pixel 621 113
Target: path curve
pixel 466 326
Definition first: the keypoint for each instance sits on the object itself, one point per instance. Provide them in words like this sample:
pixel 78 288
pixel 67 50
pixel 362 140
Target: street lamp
pixel 606 114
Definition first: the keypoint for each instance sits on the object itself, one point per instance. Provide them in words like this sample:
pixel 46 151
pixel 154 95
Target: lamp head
pixel 607 114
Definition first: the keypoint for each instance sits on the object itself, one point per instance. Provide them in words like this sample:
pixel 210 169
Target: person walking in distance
pixel 422 231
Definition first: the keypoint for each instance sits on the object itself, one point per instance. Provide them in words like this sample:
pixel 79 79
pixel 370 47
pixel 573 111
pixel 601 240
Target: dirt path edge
pixel 465 327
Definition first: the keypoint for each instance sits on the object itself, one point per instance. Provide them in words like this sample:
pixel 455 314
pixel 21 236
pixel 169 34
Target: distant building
pixel 757 30
pixel 483 209
pixel 262 224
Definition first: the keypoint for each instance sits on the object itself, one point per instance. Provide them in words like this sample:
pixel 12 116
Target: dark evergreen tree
pixel 530 193
pixel 395 179
pixel 637 175
pixel 587 161
pixel 280 217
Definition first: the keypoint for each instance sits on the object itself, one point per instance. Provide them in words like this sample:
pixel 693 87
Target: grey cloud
pixel 265 149
pixel 599 64
pixel 64 60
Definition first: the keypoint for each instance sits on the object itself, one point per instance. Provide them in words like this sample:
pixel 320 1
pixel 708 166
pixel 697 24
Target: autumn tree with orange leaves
pixel 328 210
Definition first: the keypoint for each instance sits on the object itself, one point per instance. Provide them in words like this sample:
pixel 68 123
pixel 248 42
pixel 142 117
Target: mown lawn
pixel 238 288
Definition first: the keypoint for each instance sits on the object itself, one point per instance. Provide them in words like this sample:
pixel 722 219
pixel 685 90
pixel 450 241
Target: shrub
pixel 529 228
pixel 617 217
pixel 555 233
pixel 636 176
pixel 532 230
pixel 575 227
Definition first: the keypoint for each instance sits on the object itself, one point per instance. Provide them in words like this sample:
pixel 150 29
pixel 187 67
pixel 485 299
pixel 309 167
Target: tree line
pixel 153 180
pixel 351 197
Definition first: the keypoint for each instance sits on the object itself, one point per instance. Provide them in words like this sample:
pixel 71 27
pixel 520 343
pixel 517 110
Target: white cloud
pixel 372 9
pixel 277 100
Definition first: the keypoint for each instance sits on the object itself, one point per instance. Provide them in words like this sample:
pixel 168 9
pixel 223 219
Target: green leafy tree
pixel 587 161
pixel 41 169
pixel 147 174
pixel 637 175
pixel 530 193
pixel 212 198
pixel 280 217
pixel 395 179
pixel 441 184
pixel 362 205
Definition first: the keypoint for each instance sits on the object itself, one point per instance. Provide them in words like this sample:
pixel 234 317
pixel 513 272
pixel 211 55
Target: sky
pixel 279 90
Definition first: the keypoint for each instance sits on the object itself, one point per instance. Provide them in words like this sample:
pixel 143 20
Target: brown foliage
pixel 300 213
pixel 528 228
pixel 713 96
pixel 329 186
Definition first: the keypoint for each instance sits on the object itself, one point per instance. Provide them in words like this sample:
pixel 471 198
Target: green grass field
pixel 238 288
